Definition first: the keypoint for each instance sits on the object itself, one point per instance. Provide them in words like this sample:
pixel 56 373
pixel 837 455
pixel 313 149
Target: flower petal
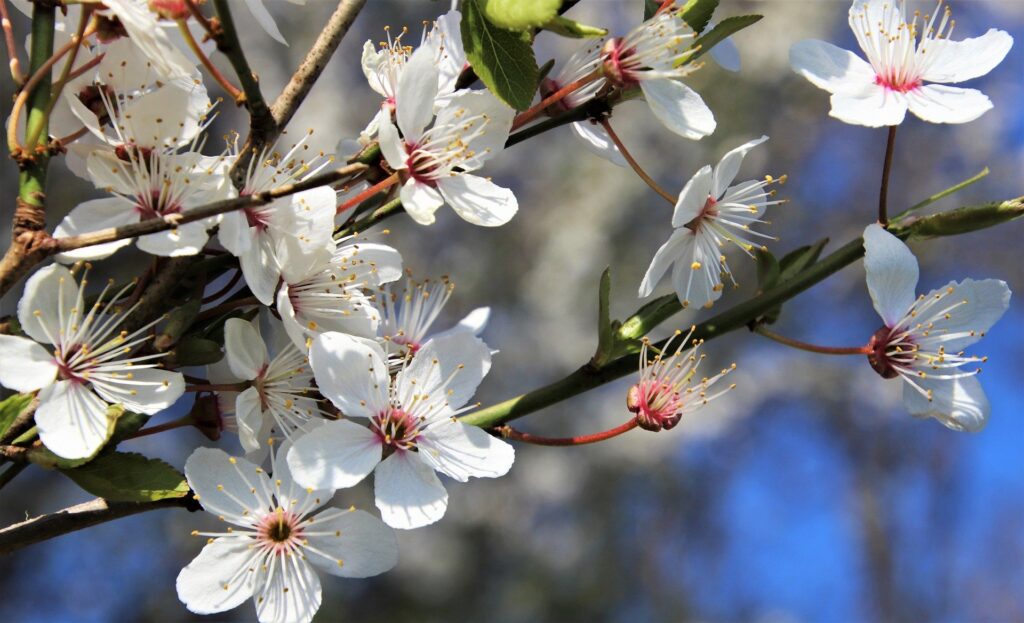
pixel 729 166
pixel 244 349
pixel 336 455
pixel 693 197
pixel 391 145
pixel 286 589
pixel 25 366
pixel 960 404
pixel 673 250
pixel 417 88
pixel 892 273
pixel 873 106
pixel 956 61
pixel 351 373
pixel 408 492
pixel 478 200
pixel 597 142
pixel 697 274
pixel 830 67
pixel 363 544
pixel 976 306
pixel 227 486
pixel 679 108
pixel 145 390
pixel 187 239
pixel 265 20
pixel 460 451
pixel 220 577
pixel 420 201
pixel 94 215
pixel 938 103
pixel 72 420
pixel 449 366
pixel 50 294
pixel 249 418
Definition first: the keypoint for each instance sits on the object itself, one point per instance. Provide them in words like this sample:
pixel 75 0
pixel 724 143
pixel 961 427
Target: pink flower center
pixel 257 218
pixel 616 62
pixel 155 205
pixel 897 84
pixel 396 429
pixel 421 165
pixel 657 405
pixel 280 532
pixel 890 352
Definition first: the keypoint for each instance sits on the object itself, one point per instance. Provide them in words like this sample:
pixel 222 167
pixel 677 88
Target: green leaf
pixel 605 331
pixel 195 351
pixel 722 30
pixel 11 408
pixel 501 58
pixel 570 28
pixel 650 8
pixel 520 15
pixel 791 265
pixel 129 477
pixel 767 270
pixel 697 13
pixel 42 456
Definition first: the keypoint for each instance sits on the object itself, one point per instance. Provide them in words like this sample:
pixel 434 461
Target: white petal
pixel 49 294
pixel 91 216
pixel 696 276
pixel 460 451
pixel 148 390
pixel 693 197
pixel 220 577
pixel 168 117
pixel 72 420
pixel 365 546
pixel 375 264
pixel 726 54
pixel 956 61
pixel 874 106
pixel 960 404
pixel 244 349
pixel 227 486
pixel 420 201
pixel 234 233
pixel 478 200
pixel 939 103
pixel 435 371
pixel 729 166
pixel 250 420
pixel 408 492
pixel 417 88
pixel 25 366
pixel 476 321
pixel 597 142
pixel 391 145
pixel 679 108
pixel 265 20
pixel 829 67
pixel 978 306
pixel 351 373
pixel 336 455
pixel 892 273
pixel 287 590
pixel 260 268
pixel 673 250
pixel 451 59
pixel 478 104
pixel 187 239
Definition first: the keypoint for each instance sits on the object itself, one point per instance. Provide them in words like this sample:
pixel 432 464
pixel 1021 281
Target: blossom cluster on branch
pixel 295 327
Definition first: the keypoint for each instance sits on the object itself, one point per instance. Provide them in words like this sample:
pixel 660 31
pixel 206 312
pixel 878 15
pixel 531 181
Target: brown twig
pixel 228 44
pixel 12 47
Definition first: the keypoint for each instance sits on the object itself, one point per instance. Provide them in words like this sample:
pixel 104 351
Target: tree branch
pixel 228 44
pixel 78 517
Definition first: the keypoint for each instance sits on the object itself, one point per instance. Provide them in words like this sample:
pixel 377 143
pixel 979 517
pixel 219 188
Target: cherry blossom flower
pixel 924 337
pixel 89 367
pixel 266 237
pixel 412 432
pixel 277 540
pixel 711 211
pixel 436 162
pixel 902 57
pixel 409 316
pixel 653 57
pixel 334 291
pixel 668 387
pixel 143 26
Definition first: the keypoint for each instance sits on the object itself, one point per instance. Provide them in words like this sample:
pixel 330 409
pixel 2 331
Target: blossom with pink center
pixel 90 365
pixel 923 339
pixel 436 162
pixel 654 57
pixel 668 387
pixel 711 212
pixel 413 431
pixel 409 315
pixel 277 539
pixel 902 57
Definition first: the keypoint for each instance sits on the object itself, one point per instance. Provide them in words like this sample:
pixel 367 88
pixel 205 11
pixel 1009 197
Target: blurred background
pixel 806 494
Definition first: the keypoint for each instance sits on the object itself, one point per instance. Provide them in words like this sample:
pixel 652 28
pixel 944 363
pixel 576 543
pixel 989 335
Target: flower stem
pixel 812 348
pixel 883 194
pixel 159 428
pixel 510 433
pixel 232 282
pixel 233 91
pixel 215 387
pixel 634 164
pixel 202 19
pixel 86 28
pixel 531 113
pixel 388 182
pixel 12 47
pixel 213 312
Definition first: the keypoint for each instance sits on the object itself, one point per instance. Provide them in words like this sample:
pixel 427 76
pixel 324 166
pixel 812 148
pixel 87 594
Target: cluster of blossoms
pixel 334 370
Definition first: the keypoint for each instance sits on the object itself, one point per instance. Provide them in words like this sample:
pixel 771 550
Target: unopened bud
pixel 964 220
pixel 207 416
pixel 170 9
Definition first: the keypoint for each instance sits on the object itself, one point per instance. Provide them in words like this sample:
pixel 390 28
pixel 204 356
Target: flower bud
pixel 208 416
pixel 170 9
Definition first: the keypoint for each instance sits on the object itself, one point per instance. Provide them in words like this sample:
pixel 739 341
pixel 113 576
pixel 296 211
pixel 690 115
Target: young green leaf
pixel 11 408
pixel 501 58
pixel 767 270
pixel 129 477
pixel 569 28
pixel 722 30
pixel 697 13
pixel 650 8
pixel 520 15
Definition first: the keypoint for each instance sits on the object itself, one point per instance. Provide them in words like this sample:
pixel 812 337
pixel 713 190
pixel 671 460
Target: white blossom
pixel 902 58
pixel 89 366
pixel 924 337
pixel 410 314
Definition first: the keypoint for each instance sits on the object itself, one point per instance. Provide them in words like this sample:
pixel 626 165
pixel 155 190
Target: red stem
pixel 883 193
pixel 634 164
pixel 233 91
pixel 531 113
pixel 152 430
pixel 223 387
pixel 813 348
pixel 510 433
pixel 369 192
